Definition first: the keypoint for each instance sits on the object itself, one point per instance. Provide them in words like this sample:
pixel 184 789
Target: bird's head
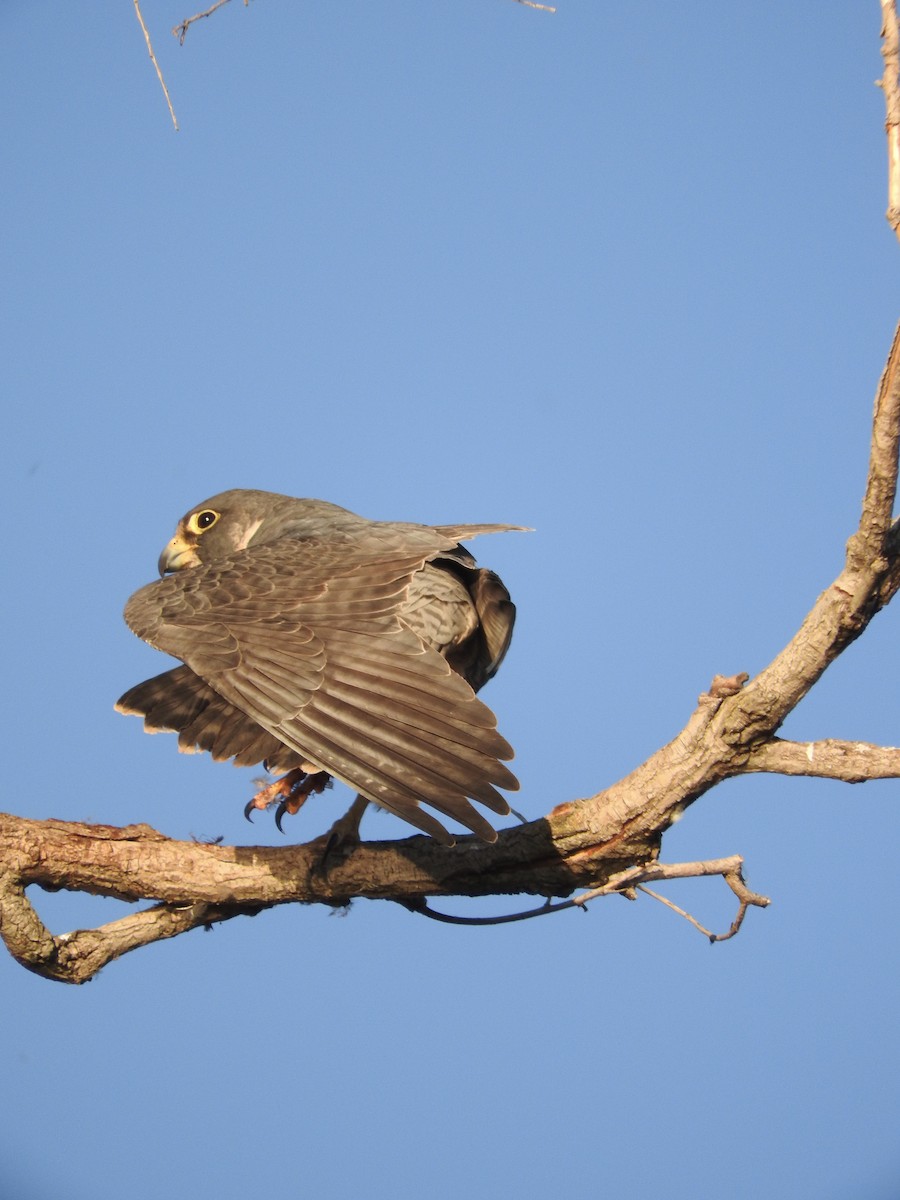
pixel 231 521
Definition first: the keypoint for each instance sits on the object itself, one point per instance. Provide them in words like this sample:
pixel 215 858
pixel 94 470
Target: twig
pixel 654 872
pixel 180 31
pixel 890 85
pixel 735 881
pixel 159 74
pixel 728 868
pixel 681 912
pixel 628 881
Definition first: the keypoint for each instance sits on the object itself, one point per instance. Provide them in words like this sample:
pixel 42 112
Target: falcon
pixel 324 644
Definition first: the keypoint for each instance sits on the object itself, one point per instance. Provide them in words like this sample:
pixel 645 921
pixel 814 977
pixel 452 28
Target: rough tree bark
pixel 606 843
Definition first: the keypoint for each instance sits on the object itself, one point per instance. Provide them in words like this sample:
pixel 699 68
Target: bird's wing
pixel 178 701
pixel 304 637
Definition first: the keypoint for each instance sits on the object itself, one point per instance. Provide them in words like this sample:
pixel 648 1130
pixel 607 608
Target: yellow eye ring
pixel 201 521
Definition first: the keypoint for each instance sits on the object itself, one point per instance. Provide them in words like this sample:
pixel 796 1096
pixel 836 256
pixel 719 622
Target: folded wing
pixel 296 650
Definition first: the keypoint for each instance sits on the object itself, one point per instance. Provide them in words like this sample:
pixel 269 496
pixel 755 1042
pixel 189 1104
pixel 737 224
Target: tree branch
pixel 159 74
pixel 202 884
pixel 872 541
pixel 735 881
pixel 850 762
pixel 890 85
pixel 844 610
pixel 180 30
pixel 729 868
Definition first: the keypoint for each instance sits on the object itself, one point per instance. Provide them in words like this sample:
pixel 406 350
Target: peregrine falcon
pixel 325 644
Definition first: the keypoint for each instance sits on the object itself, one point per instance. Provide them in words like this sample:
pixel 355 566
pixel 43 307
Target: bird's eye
pixel 202 520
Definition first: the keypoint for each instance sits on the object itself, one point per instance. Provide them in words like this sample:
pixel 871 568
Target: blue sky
pixel 620 274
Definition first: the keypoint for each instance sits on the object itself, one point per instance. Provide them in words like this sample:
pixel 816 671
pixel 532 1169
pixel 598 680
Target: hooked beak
pixel 177 555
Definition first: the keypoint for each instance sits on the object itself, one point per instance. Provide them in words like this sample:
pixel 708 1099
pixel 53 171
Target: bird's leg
pixel 290 792
pixel 344 833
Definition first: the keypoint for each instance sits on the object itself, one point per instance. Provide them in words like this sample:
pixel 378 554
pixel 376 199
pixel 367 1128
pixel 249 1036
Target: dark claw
pixel 248 809
pixel 279 813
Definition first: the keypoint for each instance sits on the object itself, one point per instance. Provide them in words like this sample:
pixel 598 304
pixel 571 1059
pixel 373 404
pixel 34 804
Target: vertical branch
pixel 159 74
pixel 881 482
pixel 890 85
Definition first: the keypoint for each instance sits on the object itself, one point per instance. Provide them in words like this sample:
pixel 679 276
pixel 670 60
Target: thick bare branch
pixel 203 884
pixel 200 884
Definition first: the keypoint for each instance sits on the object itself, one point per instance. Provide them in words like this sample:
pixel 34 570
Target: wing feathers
pixel 297 650
pixel 395 784
pixel 393 705
pixel 421 761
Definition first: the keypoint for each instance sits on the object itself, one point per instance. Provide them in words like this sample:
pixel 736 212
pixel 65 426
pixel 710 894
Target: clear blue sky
pixel 620 274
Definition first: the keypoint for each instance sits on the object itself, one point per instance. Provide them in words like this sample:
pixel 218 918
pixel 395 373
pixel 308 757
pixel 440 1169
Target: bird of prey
pixel 325 644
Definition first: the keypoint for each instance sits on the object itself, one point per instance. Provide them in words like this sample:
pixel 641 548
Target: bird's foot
pixel 290 793
pixel 344 833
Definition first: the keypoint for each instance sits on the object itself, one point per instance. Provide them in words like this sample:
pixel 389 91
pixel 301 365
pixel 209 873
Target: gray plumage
pixel 312 637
